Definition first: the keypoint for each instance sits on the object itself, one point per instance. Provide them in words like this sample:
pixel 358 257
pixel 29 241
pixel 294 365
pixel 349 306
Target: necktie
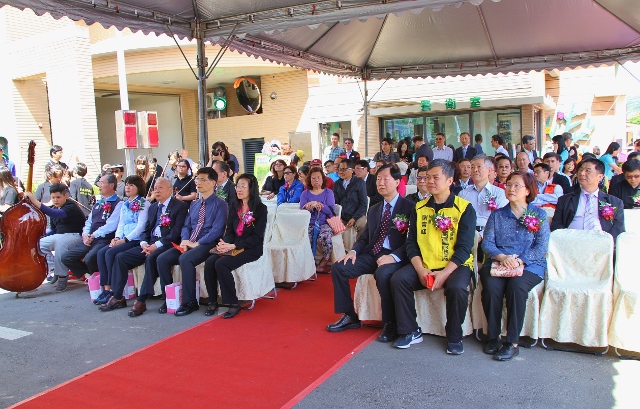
pixel 384 229
pixel 590 217
pixel 215 189
pixel 196 231
pixel 464 152
pixel 158 219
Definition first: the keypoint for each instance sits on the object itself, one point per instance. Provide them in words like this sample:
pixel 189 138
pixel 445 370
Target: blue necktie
pixel 158 219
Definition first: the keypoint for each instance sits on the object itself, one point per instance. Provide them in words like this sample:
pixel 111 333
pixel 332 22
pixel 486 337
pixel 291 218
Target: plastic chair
pixel 578 301
pixel 624 331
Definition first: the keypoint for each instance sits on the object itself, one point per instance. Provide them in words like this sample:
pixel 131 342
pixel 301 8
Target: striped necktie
pixel 196 231
pixel 590 217
pixel 384 229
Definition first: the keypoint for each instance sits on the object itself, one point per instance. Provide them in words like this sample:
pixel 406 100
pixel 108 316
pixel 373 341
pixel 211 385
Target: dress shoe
pixel 212 308
pixel 103 297
pixel 234 309
pixel 138 309
pixel 492 346
pixel 345 322
pixel 507 352
pixel 389 333
pixel 163 308
pixel 114 304
pixel 187 308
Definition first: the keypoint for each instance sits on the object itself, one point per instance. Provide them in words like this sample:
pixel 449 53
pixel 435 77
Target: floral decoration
pixel 636 199
pixel 222 194
pixel 165 220
pixel 248 218
pixel 401 223
pixel 136 205
pixel 607 211
pixel 442 222
pixel 490 201
pixel 531 221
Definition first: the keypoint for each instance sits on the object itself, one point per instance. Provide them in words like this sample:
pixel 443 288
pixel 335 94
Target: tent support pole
pixel 366 118
pixel 203 136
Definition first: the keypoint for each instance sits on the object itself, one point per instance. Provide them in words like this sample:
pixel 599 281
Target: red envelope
pixel 180 249
pixel 430 280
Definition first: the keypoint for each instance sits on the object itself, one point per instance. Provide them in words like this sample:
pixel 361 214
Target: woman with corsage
pixel 242 243
pixel 515 241
pixel 133 221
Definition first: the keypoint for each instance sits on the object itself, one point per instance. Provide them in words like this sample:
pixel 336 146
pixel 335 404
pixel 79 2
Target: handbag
pixel 335 223
pixel 496 271
pixel 232 253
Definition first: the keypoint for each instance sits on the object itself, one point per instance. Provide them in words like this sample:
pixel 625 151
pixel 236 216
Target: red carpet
pixel 269 357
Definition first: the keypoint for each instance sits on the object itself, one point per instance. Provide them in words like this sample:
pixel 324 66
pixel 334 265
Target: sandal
pixel 212 308
pixel 234 309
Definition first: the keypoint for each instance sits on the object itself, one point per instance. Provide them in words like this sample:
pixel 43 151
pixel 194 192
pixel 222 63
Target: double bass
pixel 22 265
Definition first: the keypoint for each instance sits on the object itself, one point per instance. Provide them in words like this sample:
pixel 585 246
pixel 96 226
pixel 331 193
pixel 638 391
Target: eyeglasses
pixel 241 187
pixel 359 168
pixel 287 173
pixel 516 186
pixel 421 178
pixel 343 169
pixel 202 180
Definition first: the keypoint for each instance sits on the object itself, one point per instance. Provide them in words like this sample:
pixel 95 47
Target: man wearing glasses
pixel 421 179
pixel 351 193
pixel 363 171
pixel 548 193
pixel 201 232
pixel 441 151
pixel 349 153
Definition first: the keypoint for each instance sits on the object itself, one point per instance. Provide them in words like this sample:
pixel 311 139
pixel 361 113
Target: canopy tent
pixel 382 38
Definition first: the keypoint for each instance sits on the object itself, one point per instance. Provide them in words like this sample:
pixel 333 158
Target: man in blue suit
pixel 380 251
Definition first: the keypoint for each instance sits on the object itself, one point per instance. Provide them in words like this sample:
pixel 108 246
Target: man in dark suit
pixel 422 148
pixel 351 193
pixel 380 251
pixel 362 171
pixel 166 219
pixel 529 147
pixel 466 151
pixel 225 189
pixel 582 210
pixel 349 153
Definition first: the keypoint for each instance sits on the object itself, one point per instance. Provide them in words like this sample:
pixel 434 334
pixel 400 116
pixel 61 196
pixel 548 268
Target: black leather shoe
pixel 507 352
pixel 187 308
pixel 345 322
pixel 492 346
pixel 163 308
pixel 389 333
pixel 211 309
pixel 234 309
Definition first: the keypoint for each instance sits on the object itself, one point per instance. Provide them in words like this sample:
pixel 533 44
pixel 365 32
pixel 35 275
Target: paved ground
pixel 70 337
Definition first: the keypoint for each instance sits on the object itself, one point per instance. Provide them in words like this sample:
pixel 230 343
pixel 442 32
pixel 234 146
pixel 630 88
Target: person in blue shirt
pixel 292 189
pixel 609 160
pixel 512 241
pixel 478 139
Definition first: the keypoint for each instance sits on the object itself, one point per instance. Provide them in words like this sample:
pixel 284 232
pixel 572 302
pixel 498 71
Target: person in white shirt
pixel 548 192
pixel 422 162
pixel 464 168
pixel 423 192
pixel 496 142
pixel 529 147
pixel 441 151
pixel 334 150
pixel 484 196
pixel 523 163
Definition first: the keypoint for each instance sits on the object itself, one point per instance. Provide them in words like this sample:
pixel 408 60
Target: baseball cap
pixel 316 162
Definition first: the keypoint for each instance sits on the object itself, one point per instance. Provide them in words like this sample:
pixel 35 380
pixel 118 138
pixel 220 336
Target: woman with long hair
pixel 130 230
pixel 403 151
pixel 273 183
pixel 319 200
pixel 244 236
pixel 560 148
pixel 171 169
pixel 292 189
pixel 303 173
pixel 609 159
pixel 220 151
pixel 515 239
pixel 143 171
pixel 569 169
pixel 184 186
pixel 8 193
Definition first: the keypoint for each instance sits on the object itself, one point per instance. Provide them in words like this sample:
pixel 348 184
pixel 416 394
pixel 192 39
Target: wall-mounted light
pixel 273 96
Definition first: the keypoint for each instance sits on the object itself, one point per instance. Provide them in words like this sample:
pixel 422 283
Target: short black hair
pixel 348 140
pixel 138 182
pixel 54 149
pixel 447 167
pixel 543 166
pixel 478 138
pixel 417 139
pixel 631 165
pixel 62 188
pixel 552 155
pixel 363 163
pixel 422 156
pixel 328 161
pixel 222 166
pixel 526 139
pixel 393 170
pixel 210 172
pixel 387 140
pixel 81 169
pixel 632 156
pixel 597 162
pixel 498 138
pixel 349 163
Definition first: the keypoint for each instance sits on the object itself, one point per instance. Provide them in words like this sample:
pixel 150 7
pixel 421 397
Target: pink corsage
pixel 248 218
pixel 106 207
pixel 165 220
pixel 607 211
pixel 136 205
pixel 490 201
pixel 636 199
pixel 442 222
pixel 401 223
pixel 531 221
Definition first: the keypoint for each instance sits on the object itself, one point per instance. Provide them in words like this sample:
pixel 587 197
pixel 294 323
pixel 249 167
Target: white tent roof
pixel 391 38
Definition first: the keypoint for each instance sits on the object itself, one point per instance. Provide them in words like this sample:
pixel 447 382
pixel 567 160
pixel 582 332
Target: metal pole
pixel 202 99
pixel 366 119
pixel 124 97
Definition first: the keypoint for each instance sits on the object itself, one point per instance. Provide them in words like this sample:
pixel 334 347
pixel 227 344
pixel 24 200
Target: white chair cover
pixel 550 212
pixel 632 220
pixel 624 331
pixel 289 251
pixel 253 280
pixel 338 250
pixel 578 302
pixel 411 189
pixel 288 206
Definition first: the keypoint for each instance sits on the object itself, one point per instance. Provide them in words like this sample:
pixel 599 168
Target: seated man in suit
pixel 362 169
pixel 589 208
pixel 351 193
pixel 225 189
pixel 99 230
pixel 201 232
pixel 423 192
pixel 466 151
pixel 166 219
pixel 628 190
pixel 380 251
pixel 439 243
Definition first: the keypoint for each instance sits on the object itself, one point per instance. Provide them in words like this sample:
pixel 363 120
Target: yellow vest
pixel 436 246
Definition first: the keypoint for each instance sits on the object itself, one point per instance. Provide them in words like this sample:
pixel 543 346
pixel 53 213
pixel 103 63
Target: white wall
pixel 169 126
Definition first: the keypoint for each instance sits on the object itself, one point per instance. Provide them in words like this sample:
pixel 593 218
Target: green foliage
pixel 634 119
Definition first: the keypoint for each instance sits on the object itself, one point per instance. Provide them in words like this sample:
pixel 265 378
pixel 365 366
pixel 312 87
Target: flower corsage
pixel 106 208
pixel 222 194
pixel 607 211
pixel 401 223
pixel 165 220
pixel 636 199
pixel 531 221
pixel 248 218
pixel 136 205
pixel 490 201
pixel 442 222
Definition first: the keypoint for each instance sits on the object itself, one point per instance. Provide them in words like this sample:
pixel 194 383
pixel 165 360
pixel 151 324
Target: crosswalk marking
pixel 12 334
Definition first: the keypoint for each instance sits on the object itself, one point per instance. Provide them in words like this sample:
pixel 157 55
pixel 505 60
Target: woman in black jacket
pixel 243 238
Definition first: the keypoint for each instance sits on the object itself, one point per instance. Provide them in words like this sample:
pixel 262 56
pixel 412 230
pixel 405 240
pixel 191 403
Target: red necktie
pixel 384 229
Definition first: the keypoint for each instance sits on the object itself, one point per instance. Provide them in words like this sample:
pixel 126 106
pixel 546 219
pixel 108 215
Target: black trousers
pixel 74 256
pixel 132 258
pixel 515 290
pixel 365 264
pixel 106 258
pixel 218 269
pixel 188 262
pixel 456 291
